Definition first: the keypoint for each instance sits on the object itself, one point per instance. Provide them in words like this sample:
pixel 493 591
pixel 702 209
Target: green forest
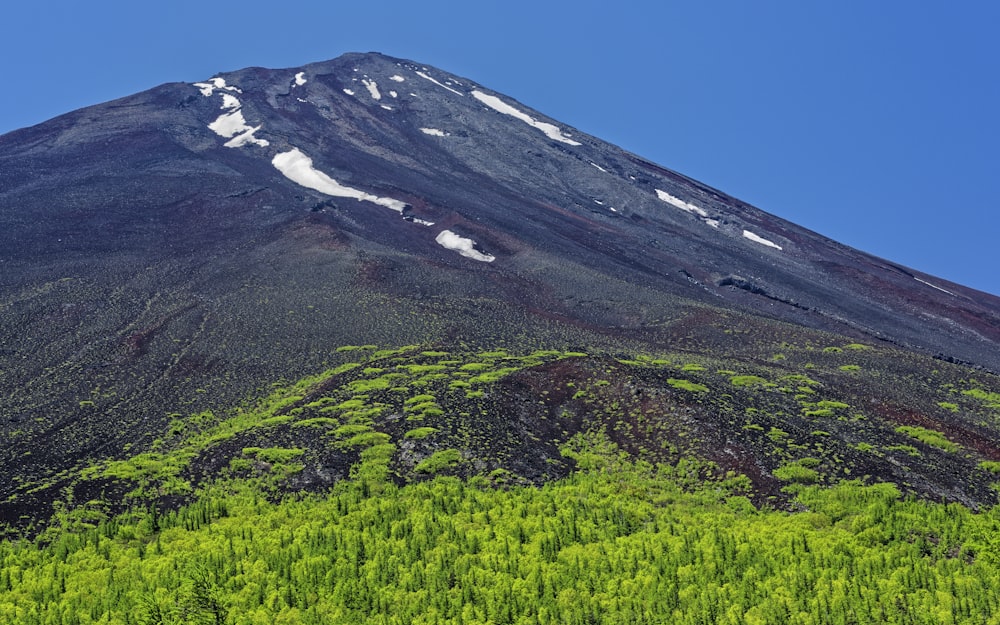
pixel 618 541
pixel 215 524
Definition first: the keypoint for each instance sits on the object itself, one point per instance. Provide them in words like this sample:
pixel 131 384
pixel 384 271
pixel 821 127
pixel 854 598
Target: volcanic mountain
pixel 180 250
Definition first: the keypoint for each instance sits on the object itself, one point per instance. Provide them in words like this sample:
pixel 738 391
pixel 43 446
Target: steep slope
pixel 184 248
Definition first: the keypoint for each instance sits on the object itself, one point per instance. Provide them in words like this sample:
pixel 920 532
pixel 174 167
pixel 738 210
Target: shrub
pixel 687 385
pixel 439 460
pixel 419 433
pixel 797 474
pixel 929 437
pixel 749 380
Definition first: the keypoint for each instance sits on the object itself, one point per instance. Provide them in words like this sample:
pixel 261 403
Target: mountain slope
pixel 182 249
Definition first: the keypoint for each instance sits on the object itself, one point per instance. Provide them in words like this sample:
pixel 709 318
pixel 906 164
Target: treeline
pixel 618 542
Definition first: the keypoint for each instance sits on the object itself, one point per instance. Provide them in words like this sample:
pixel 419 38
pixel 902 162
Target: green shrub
pixel 687 385
pixel 438 461
pixel 929 437
pixel 990 465
pixel 797 474
pixel 749 380
pixel 421 432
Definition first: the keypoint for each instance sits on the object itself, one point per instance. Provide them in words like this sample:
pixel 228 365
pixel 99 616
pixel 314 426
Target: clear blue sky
pixel 876 123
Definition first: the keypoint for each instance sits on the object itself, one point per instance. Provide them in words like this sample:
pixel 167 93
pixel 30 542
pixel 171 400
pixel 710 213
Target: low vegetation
pixel 432 485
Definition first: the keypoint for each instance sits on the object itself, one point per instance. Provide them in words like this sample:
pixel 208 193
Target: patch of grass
pixel 749 380
pixel 421 432
pixel 824 408
pixel 949 406
pixel 991 466
pixel 929 437
pixel 992 400
pixel 909 450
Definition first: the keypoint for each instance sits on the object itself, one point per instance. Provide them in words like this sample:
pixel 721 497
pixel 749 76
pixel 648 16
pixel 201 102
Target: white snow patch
pixel 209 87
pixel 599 167
pixel 228 124
pixel 235 128
pixel 422 222
pixel 679 203
pixel 397 78
pixel 423 75
pixel 550 130
pixel 301 100
pixel 613 209
pixel 298 168
pixel 387 107
pixel 934 286
pixel 434 132
pixel 712 222
pixel 372 88
pixel 394 94
pixel 348 92
pixel 462 245
pixel 759 239
pixel 229 102
pixel 599 202
pixel 245 138
pixel 300 79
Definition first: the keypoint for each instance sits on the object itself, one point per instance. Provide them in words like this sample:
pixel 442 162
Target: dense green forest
pixel 618 541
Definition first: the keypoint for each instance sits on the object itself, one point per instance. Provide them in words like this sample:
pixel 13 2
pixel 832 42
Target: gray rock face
pixel 186 246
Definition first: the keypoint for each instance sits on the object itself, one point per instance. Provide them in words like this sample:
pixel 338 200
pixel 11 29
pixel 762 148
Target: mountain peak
pixel 182 248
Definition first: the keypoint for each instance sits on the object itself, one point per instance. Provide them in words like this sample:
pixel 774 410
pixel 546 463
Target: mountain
pixel 170 257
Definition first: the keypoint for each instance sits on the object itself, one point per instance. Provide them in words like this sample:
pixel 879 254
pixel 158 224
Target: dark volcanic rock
pixel 182 248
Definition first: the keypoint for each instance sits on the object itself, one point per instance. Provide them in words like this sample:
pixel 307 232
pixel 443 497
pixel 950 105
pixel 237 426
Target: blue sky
pixel 874 123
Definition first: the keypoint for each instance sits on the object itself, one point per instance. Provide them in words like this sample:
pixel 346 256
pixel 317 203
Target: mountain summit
pixel 181 249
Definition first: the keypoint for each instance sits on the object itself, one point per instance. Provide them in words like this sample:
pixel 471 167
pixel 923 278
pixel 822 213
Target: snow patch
pixel 209 87
pixel 422 222
pixel 466 247
pixel 298 168
pixel 425 76
pixel 434 132
pixel 394 94
pixel 372 88
pixel 229 102
pixel 397 78
pixel 300 79
pixel 759 239
pixel 599 167
pixel 348 91
pixel 550 130
pixel 387 107
pixel 712 222
pixel 934 286
pixel 679 203
pixel 234 127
